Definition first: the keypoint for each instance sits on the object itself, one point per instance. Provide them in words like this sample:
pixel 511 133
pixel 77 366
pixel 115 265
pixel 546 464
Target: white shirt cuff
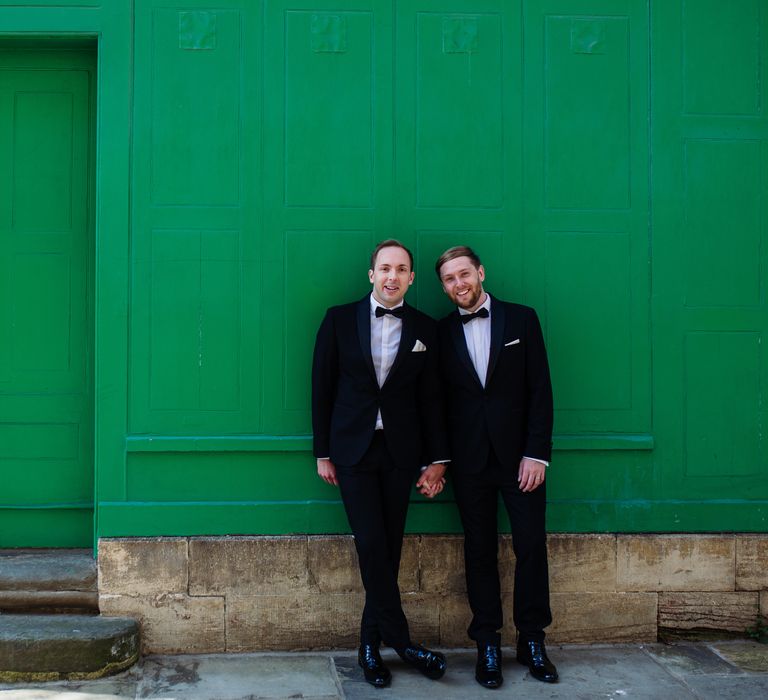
pixel 540 461
pixel 437 461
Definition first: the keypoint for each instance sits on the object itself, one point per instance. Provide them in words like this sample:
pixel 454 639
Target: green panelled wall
pixel 607 159
pixel 710 256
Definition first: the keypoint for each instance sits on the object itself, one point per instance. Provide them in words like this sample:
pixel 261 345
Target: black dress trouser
pixel 375 495
pixel 477 496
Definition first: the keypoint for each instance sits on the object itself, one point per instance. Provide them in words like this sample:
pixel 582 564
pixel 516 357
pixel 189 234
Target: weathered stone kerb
pixel 40 581
pixel 71 647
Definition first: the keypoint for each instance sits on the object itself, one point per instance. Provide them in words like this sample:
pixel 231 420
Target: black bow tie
pixel 397 313
pixel 480 313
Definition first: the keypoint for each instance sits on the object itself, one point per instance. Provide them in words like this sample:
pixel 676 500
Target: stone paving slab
pixel 230 677
pixel 120 687
pixel 681 671
pixel 690 660
pixel 201 677
pixel 746 655
pixel 586 674
pixel 93 690
pixel 737 688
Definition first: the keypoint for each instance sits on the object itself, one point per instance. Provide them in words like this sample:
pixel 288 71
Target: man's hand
pixel 531 474
pixel 432 480
pixel 327 471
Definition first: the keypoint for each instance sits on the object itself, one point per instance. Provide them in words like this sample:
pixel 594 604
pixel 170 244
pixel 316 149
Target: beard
pixel 469 300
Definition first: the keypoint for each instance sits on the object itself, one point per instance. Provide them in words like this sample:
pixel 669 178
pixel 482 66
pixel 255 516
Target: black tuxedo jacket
pixel 346 396
pixel 513 412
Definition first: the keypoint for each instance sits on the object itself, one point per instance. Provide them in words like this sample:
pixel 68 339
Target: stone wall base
pixel 217 594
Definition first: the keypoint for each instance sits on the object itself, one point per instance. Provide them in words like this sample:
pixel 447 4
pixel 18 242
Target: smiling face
pixel 391 275
pixel 463 282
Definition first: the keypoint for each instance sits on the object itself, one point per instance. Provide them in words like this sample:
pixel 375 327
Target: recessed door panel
pixel 46 414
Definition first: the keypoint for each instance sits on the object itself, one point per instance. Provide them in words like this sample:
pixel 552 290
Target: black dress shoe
pixel 534 656
pixel 488 669
pixel 431 663
pixel 374 670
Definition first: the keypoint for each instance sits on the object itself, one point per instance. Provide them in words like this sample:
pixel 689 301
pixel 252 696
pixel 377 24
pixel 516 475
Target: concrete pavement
pixel 731 670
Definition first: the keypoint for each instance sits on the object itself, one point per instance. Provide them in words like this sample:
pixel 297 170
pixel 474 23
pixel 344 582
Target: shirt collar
pixel 485 305
pixel 375 303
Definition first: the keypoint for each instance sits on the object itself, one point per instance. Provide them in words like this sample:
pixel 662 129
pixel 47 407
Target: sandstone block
pixel 333 564
pixel 423 613
pixel 410 565
pixel 508 631
pixel 751 562
pixel 675 563
pixel 248 566
pixel 442 564
pixel 455 617
pixel 284 622
pixel 732 612
pixel 172 623
pixel 603 617
pixel 143 566
pixel 581 563
pixel 764 603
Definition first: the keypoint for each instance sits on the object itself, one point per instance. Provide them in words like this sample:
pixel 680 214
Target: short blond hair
pixel 458 251
pixel 389 243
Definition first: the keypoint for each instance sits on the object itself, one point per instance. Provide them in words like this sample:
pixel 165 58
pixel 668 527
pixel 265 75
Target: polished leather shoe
pixel 534 656
pixel 374 670
pixel 431 663
pixel 488 669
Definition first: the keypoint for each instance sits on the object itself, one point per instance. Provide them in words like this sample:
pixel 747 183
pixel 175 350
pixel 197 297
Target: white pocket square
pixel 512 342
pixel 418 346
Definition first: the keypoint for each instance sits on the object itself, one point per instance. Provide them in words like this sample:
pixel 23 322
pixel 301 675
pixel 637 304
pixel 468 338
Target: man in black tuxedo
pixel 377 416
pixel 495 372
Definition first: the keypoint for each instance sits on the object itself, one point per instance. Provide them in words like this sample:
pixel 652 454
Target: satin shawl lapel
pixel 457 333
pixel 364 333
pixel 407 340
pixel 497 336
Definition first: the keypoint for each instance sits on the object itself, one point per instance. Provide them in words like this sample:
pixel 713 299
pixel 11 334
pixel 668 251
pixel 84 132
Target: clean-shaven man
pixel 377 416
pixel 499 399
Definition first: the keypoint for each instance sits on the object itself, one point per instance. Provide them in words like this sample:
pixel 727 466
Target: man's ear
pixel 410 279
pixel 481 273
pixel 370 276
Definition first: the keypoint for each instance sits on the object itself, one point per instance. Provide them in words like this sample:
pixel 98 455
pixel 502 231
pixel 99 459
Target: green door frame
pixel 109 26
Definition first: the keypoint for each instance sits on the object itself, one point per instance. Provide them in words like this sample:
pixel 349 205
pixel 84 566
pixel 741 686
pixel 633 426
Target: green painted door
pixel 46 294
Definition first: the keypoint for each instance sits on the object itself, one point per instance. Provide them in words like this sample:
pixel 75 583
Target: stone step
pixel 48 581
pixel 65 647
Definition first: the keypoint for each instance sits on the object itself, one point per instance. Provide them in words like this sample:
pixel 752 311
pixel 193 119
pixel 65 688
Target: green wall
pixel 607 159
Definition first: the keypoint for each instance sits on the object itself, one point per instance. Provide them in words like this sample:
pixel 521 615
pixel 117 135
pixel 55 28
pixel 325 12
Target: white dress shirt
pixel 385 340
pixel 477 333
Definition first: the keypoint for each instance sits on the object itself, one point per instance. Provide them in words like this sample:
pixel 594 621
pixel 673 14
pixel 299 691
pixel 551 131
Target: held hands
pixel 432 480
pixel 326 470
pixel 531 474
pixel 430 483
